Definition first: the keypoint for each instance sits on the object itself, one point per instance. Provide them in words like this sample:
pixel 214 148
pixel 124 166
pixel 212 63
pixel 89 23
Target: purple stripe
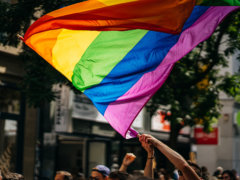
pixel 121 113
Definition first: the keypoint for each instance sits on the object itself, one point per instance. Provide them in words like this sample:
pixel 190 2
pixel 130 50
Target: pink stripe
pixel 121 113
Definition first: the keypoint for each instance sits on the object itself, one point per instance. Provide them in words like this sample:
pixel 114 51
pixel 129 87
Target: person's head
pixel 205 172
pixel 100 172
pixel 63 175
pixel 217 174
pixel 195 167
pixel 234 171
pixel 118 175
pixel 163 174
pixel 204 169
pixel 220 169
pixel 228 175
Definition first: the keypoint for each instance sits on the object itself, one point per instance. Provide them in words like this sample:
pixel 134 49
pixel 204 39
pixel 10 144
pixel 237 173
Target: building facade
pixel 80 138
pixel 226 152
pixel 17 120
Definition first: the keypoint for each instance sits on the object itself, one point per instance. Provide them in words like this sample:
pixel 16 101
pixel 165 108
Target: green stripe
pixel 220 3
pixel 103 54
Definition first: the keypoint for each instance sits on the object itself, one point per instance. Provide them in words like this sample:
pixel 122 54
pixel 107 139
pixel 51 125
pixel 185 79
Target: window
pixel 9 100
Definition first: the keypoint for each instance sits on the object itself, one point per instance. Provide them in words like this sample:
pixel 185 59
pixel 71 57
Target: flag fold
pixel 119 53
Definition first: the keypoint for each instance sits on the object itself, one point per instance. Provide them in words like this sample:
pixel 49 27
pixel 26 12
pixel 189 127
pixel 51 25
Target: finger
pixel 148 140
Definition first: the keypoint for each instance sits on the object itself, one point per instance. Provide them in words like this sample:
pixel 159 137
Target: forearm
pixel 148 170
pixel 123 168
pixel 176 159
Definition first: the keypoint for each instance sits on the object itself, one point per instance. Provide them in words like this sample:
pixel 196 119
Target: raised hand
pixel 147 145
pixel 148 139
pixel 128 159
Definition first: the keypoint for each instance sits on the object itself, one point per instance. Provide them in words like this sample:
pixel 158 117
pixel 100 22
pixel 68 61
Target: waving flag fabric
pixel 165 16
pixel 119 70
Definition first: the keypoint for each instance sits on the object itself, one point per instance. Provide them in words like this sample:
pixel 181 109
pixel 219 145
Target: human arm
pixel 148 170
pixel 175 158
pixel 127 160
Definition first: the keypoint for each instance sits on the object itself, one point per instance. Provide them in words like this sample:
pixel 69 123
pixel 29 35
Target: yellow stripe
pixel 114 2
pixel 69 48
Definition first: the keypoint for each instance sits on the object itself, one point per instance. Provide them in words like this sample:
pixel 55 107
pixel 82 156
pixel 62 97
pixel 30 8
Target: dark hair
pixel 205 173
pixel 197 169
pixel 217 173
pixel 230 173
pixel 118 175
pixel 140 178
pixel 234 171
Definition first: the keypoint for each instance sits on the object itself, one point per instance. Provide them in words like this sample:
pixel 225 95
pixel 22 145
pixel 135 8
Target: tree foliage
pixel 39 75
pixel 193 87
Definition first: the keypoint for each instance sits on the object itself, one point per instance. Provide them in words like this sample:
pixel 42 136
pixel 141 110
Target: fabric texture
pixel 119 65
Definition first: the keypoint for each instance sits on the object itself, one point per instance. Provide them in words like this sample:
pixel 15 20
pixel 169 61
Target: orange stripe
pixel 167 16
pixel 78 7
pixel 43 43
pixel 45 23
pixel 115 2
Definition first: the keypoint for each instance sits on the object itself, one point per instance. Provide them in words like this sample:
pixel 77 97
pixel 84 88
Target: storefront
pixel 80 138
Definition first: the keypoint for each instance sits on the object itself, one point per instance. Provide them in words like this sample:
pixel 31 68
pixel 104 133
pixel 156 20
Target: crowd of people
pixel 185 170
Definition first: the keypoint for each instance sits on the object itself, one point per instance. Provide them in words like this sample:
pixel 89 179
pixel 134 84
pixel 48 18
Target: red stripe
pixel 166 16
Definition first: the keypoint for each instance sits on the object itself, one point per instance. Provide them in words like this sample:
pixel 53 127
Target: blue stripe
pixel 143 58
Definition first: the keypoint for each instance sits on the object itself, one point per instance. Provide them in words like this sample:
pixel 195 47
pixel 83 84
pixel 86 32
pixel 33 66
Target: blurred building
pixel 17 121
pixel 226 152
pixel 78 137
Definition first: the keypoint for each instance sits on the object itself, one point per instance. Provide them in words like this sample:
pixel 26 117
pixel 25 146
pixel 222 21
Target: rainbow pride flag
pixel 120 64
